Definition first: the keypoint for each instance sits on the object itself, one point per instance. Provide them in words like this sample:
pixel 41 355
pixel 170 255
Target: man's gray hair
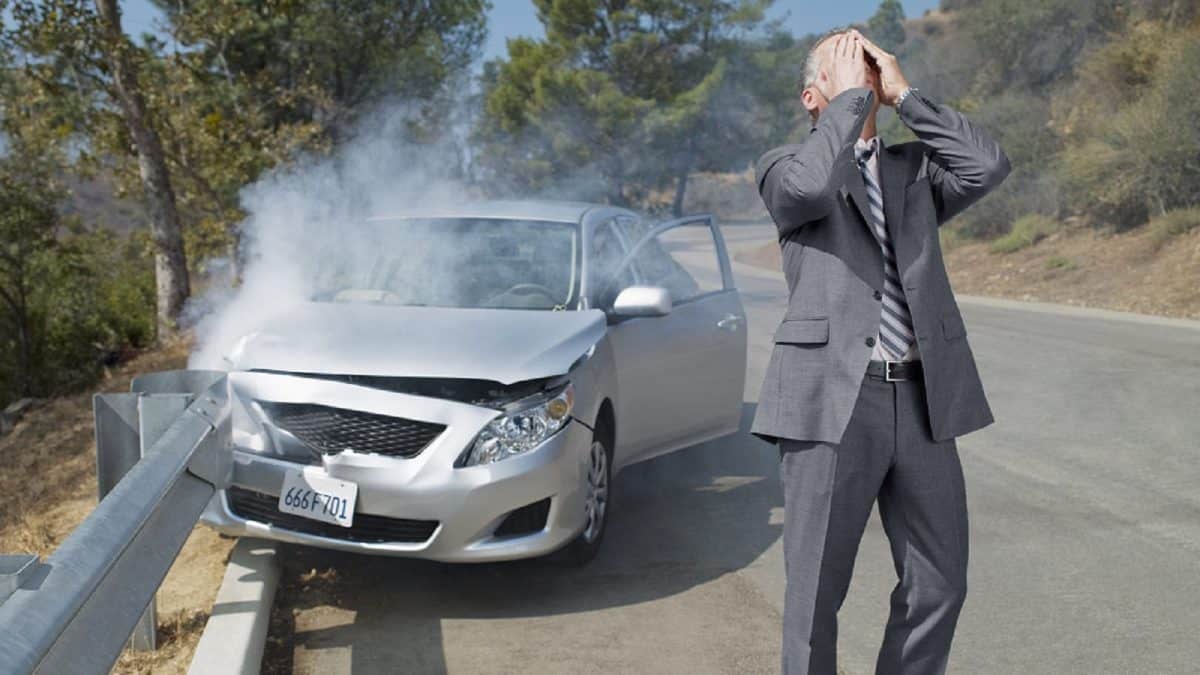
pixel 812 64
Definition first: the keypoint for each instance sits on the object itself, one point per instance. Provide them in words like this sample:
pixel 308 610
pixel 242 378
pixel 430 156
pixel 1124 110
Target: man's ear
pixel 808 98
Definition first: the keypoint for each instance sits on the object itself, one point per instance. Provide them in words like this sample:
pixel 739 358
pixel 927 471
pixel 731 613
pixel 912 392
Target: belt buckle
pixel 887 372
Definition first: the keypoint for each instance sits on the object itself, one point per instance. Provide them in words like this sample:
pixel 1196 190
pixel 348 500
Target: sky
pixel 513 18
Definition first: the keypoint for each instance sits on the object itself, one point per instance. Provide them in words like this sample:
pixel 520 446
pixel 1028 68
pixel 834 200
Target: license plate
pixel 318 497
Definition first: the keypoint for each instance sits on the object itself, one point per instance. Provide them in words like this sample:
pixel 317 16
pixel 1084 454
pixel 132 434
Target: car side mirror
pixel 642 301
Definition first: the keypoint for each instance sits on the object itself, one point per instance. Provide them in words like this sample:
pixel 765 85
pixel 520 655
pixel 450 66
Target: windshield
pixel 455 262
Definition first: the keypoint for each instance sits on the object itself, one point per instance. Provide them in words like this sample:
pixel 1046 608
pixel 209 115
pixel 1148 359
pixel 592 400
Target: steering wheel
pixel 525 289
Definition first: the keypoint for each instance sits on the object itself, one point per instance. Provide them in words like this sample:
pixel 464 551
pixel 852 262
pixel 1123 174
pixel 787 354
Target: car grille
pixel 331 430
pixel 264 508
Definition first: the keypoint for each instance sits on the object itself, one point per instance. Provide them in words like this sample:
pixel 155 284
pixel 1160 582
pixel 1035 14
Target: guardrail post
pixel 127 426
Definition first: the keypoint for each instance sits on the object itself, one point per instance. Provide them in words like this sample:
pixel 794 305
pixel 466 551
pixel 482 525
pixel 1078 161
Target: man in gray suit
pixel 870 378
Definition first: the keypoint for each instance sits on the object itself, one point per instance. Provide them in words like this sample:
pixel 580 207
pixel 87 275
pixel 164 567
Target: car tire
pixel 584 547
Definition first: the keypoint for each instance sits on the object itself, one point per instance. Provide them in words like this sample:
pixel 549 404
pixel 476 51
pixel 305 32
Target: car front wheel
pixel 596 502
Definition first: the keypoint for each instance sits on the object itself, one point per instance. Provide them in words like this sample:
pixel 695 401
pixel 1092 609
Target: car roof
pixel 524 209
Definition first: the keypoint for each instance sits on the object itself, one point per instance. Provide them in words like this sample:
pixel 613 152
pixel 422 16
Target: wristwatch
pixel 903 95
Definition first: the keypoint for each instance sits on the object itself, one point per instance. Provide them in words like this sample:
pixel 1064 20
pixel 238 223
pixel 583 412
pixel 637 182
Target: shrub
pixel 93 301
pixel 1173 223
pixel 1058 262
pixel 1027 231
pixel 1135 157
pixel 99 304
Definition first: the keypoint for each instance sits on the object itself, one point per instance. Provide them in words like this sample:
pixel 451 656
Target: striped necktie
pixel 895 323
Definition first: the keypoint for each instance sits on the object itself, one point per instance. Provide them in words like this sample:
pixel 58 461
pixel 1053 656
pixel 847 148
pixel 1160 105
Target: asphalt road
pixel 1084 508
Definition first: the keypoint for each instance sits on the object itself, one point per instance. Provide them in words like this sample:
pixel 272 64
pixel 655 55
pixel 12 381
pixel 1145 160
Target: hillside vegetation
pixel 1095 103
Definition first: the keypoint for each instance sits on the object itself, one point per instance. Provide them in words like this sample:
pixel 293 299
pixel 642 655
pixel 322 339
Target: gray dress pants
pixel 888 453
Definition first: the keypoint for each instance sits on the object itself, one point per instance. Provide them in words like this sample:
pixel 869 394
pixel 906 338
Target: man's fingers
pixel 871 47
pixel 867 44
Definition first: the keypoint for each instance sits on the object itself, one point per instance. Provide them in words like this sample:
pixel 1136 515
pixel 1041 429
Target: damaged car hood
pixel 502 345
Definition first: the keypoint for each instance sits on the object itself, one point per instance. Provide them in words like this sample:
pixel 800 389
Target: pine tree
pixel 886 27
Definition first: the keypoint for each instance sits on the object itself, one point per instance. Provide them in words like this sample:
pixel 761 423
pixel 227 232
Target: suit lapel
pixel 893 170
pixel 856 190
pixel 860 248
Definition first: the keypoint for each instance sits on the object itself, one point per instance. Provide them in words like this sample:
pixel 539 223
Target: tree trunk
pixel 170 263
pixel 616 191
pixel 682 171
pixel 24 355
pixel 17 303
pixel 237 254
pixel 680 189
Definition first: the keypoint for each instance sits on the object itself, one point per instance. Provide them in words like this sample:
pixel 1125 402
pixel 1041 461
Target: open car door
pixel 681 376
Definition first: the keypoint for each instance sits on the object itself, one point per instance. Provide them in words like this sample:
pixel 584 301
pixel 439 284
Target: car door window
pixel 682 259
pixel 606 250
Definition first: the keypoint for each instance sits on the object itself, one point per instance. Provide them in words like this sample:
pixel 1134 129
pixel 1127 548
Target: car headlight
pixel 523 428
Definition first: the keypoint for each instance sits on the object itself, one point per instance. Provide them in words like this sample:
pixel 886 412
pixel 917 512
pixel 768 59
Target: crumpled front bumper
pixel 468 503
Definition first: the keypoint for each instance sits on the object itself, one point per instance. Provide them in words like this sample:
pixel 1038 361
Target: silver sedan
pixel 467 384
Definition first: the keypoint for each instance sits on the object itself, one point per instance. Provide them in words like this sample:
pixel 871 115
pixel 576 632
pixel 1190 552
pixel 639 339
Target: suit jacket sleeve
pixel 799 182
pixel 964 163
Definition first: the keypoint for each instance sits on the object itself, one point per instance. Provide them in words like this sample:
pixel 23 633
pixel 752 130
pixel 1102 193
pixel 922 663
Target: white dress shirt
pixel 878 353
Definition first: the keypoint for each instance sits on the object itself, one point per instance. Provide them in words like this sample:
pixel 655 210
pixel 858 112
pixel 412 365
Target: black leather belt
pixel 894 371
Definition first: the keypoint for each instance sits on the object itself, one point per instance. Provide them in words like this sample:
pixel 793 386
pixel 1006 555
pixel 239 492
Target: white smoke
pixel 307 218
pixel 302 217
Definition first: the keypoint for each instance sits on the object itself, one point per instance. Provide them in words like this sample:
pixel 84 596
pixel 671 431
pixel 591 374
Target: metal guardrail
pixel 162 452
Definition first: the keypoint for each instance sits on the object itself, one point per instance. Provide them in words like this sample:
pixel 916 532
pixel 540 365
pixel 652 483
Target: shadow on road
pixel 678 521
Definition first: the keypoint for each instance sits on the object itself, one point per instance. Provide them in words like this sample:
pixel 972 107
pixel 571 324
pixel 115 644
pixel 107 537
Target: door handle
pixel 730 322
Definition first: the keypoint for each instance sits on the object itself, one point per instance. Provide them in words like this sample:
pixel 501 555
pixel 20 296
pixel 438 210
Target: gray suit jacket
pixel 834 268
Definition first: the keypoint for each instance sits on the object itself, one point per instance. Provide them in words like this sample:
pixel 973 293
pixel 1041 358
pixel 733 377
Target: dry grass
pixel 1076 265
pixel 1130 271
pixel 178 634
pixel 50 467
pixel 50 460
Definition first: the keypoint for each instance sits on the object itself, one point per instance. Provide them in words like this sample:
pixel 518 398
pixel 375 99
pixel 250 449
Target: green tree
pixel 1031 44
pixel 886 26
pixel 621 98
pixel 70 300
pixel 254 84
pixel 28 221
pixel 86 71
pixel 245 87
pixel 326 61
pixel 170 261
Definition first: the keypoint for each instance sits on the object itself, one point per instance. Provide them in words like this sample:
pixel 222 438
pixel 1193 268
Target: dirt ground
pixel 1075 266
pixel 51 463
